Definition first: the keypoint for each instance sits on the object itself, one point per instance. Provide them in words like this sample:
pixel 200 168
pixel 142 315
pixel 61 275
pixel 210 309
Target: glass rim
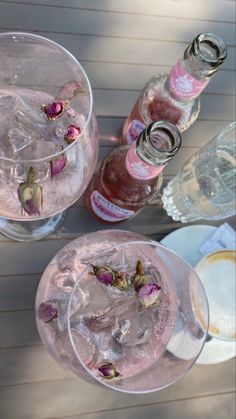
pixel 199 265
pixel 64 50
pixel 68 311
pixel 221 47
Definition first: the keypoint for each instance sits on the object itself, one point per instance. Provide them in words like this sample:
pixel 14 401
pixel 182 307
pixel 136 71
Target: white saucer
pixel 186 242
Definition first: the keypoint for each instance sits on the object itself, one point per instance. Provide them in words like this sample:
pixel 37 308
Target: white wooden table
pixel 120 43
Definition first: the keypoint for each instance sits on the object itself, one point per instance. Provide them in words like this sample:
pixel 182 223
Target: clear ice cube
pixel 66 259
pixel 19 139
pixel 64 281
pixel 134 326
pixel 7 103
pixel 99 300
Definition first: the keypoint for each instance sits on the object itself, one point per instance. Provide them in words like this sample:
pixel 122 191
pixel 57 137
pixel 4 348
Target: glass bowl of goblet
pixel 123 311
pixel 48 134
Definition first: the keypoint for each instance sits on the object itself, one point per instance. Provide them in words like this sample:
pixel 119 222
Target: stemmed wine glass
pixel 48 134
pixel 121 310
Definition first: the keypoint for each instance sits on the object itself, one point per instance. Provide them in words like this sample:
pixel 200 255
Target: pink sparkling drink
pixel 48 134
pixel 95 328
pixel 61 168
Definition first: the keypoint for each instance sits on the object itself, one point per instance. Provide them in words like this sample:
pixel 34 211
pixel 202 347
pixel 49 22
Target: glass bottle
pixel 174 96
pixel 130 177
pixel 205 187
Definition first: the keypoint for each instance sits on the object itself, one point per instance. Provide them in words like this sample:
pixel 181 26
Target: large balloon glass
pixel 48 134
pixel 122 311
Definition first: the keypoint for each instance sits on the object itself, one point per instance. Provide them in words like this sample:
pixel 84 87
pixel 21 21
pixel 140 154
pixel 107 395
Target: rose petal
pixel 149 294
pixel 72 133
pixel 54 110
pixel 57 165
pixel 47 312
pixel 108 371
pixel 104 274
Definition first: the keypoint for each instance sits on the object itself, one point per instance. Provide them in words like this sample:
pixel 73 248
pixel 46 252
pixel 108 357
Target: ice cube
pixel 62 306
pixel 19 139
pixel 134 326
pixel 99 299
pixel 104 347
pixel 85 348
pixel 7 104
pixel 64 281
pixel 66 259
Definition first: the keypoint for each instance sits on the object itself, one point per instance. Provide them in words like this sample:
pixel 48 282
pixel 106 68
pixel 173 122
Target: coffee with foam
pixel 217 272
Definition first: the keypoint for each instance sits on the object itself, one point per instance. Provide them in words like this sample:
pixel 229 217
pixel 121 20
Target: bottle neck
pixel 155 146
pixel 190 75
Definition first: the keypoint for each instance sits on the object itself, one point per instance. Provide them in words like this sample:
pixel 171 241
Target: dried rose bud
pixel 104 274
pixel 149 294
pixel 47 312
pixel 108 371
pixel 55 109
pixel 121 281
pixel 57 165
pixel 139 279
pixel 72 134
pixel 30 194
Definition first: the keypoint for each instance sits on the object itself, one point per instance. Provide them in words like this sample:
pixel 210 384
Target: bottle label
pixel 107 211
pixel 133 131
pixel 138 168
pixel 183 84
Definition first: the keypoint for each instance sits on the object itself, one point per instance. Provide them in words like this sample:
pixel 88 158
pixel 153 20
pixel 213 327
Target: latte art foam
pixel 217 272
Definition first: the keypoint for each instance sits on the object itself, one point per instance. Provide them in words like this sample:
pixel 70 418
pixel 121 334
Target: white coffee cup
pixel 217 272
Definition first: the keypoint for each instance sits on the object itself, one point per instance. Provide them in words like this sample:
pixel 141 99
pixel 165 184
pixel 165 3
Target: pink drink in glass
pixel 97 324
pixel 29 139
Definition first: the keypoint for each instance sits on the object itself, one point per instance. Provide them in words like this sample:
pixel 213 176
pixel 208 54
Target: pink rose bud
pixel 108 371
pixel 47 312
pixel 104 274
pixel 30 194
pixel 54 110
pixel 57 165
pixel 149 294
pixel 72 134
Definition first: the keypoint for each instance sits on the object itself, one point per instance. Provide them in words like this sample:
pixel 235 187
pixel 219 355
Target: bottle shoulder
pixel 158 103
pixel 120 186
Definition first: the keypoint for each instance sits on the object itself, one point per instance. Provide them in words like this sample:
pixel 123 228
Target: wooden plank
pixel 121 76
pixel 23 365
pixel 118 76
pixel 18 329
pixel 17 292
pixel 214 107
pixel 222 10
pixel 14 257
pixel 196 136
pixel 110 24
pixel 117 50
pixel 222 405
pixel 55 399
pixel 17 258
